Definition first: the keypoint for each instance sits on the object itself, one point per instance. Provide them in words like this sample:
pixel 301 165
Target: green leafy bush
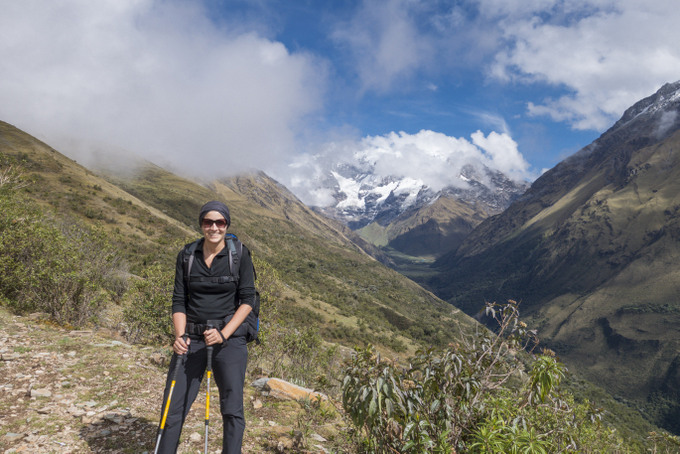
pixel 471 397
pixel 47 265
pixel 147 315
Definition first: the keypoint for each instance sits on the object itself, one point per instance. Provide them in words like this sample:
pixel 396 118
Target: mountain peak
pixel 361 196
pixel 661 107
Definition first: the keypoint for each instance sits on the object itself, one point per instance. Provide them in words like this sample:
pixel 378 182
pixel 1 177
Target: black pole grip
pixel 209 349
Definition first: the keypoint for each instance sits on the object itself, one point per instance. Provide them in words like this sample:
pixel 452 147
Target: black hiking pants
pixel 229 369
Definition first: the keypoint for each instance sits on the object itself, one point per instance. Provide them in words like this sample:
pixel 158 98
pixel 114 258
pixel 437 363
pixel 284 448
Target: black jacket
pixel 210 300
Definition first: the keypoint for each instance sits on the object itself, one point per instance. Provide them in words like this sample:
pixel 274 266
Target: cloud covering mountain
pixel 400 164
pixel 159 79
pixel 194 83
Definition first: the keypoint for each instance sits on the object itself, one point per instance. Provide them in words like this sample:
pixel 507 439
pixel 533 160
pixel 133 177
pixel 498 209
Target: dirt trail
pixel 72 391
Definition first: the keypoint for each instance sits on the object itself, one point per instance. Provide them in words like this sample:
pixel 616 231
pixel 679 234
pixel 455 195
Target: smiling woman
pixel 210 303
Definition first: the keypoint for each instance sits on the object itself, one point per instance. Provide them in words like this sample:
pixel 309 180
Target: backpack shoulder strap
pixel 235 252
pixel 188 256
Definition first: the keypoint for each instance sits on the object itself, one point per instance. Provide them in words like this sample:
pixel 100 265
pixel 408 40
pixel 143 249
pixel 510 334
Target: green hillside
pixel 592 252
pixel 97 249
pixel 149 213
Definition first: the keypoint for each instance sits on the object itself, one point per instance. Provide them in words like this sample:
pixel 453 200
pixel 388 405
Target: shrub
pixel 147 315
pixel 64 269
pixel 470 397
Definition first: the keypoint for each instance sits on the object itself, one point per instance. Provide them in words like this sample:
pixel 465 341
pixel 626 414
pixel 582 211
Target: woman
pixel 210 296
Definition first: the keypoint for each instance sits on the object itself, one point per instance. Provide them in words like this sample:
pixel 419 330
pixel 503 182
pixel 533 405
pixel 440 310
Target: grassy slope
pixel 75 192
pixel 150 212
pixel 595 265
pixel 330 282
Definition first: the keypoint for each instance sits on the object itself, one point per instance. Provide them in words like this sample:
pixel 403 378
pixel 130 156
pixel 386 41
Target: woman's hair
pixel 214 205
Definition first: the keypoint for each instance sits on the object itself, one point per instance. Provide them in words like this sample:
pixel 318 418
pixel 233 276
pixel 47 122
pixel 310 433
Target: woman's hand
pixel 213 336
pixel 181 346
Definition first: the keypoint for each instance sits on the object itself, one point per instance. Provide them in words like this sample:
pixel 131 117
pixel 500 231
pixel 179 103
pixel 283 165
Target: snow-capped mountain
pixel 419 194
pixel 361 197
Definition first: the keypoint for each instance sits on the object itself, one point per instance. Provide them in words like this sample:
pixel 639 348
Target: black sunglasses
pixel 220 223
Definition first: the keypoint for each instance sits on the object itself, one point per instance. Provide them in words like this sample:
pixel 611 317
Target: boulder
pixel 284 390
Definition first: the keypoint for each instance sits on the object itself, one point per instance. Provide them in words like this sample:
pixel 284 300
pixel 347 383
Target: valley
pixel 589 250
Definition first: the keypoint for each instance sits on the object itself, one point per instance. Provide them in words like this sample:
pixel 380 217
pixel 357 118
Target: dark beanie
pixel 214 206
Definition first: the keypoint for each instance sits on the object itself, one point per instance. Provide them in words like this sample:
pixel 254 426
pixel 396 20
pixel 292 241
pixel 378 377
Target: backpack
pixel 235 247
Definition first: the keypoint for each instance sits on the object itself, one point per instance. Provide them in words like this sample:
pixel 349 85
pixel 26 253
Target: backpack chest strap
pixel 213 279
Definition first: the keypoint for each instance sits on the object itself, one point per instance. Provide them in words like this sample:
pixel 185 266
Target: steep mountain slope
pixel 406 216
pixel 592 251
pixel 77 193
pixel 428 230
pixel 330 284
pixel 149 213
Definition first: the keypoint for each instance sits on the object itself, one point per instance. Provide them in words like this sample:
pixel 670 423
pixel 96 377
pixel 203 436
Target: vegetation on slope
pixel 313 280
pixel 592 252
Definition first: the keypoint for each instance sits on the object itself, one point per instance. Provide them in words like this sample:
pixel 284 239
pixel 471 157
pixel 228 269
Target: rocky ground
pixel 79 391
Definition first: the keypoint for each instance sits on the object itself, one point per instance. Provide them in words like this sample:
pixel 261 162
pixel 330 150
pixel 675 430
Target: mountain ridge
pixel 330 285
pixel 150 212
pixel 591 251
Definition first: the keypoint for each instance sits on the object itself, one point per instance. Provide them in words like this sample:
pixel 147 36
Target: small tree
pixel 64 269
pixel 147 314
pixel 473 396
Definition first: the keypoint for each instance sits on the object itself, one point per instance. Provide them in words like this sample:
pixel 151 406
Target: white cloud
pixel 597 57
pixel 157 78
pixel 501 153
pixel 608 54
pixel 384 43
pixel 430 158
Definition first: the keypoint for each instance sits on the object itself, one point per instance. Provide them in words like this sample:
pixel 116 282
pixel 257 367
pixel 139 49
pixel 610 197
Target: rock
pixel 10 356
pixel 318 438
pixel 257 404
pixel 42 392
pixel 114 418
pixel 260 383
pixel 284 390
pixel 12 437
pixel 195 437
pixel 89 419
pixel 76 412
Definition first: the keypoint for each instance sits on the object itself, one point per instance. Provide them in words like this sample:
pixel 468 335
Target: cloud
pixel 383 43
pixel 157 78
pixel 604 54
pixel 595 57
pixel 431 158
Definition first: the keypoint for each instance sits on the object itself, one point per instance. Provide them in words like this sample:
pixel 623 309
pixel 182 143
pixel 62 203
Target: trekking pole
pixel 209 350
pixel 179 359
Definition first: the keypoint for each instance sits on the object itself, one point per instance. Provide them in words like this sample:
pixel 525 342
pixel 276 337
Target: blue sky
pixel 269 83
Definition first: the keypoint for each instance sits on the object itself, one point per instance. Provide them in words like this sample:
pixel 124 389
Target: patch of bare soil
pixel 79 391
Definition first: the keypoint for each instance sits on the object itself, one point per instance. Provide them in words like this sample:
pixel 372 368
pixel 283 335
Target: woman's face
pixel 214 227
